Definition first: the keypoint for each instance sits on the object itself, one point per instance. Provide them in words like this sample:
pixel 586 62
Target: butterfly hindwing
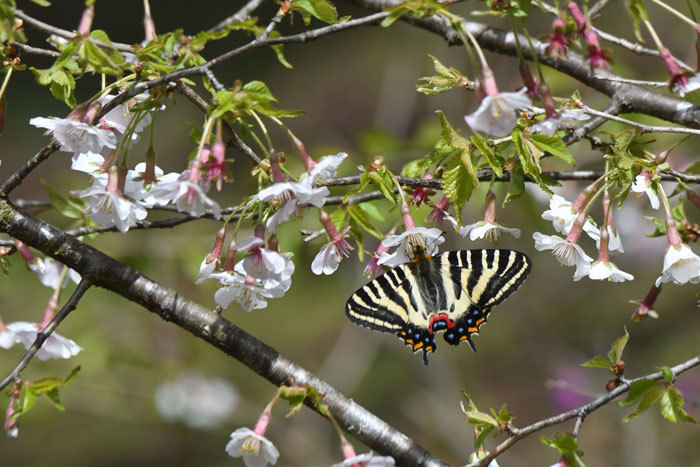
pixel 452 292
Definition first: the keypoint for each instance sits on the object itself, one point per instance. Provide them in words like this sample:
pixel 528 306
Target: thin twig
pixel 256 43
pixel 241 15
pixel 47 28
pixel 236 142
pixel 45 333
pixel 580 412
pixel 35 50
pixel 14 180
pixel 643 128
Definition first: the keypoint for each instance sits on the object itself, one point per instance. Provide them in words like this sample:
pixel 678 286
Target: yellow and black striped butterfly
pixel 451 292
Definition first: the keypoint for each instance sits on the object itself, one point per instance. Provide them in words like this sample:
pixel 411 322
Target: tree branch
pixel 581 412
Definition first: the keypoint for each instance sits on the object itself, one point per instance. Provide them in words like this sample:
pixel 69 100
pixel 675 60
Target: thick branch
pixel 213 328
pixel 630 97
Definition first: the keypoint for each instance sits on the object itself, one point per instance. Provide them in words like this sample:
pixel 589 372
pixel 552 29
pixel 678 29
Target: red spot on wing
pixel 442 317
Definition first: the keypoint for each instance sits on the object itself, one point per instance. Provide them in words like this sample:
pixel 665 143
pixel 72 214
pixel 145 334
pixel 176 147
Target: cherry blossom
pixel 407 241
pixel 249 292
pixel 497 113
pixel 324 169
pixel 188 196
pixel 328 259
pixel 119 117
pixel 550 125
pixel 76 136
pixel 55 346
pixel 107 202
pixel 437 215
pixel 292 194
pixel 642 184
pixel 602 270
pixel 33 262
pixel 490 231
pixel 681 265
pixel 568 252
pixel 558 40
pixel 52 274
pixel 679 80
pixel 562 214
pixel 252 446
pixel 373 267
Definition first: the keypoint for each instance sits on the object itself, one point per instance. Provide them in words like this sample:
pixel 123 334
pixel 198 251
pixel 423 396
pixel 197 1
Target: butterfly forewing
pixel 452 292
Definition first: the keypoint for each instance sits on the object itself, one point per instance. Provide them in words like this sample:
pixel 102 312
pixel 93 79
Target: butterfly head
pixel 416 249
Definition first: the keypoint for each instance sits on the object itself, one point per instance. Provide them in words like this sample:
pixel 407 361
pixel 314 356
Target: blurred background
pixel 145 385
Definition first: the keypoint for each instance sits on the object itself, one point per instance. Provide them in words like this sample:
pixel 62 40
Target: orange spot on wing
pixel 480 320
pixel 473 329
pixel 417 345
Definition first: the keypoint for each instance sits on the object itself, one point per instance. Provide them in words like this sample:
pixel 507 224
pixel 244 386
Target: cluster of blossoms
pixel 680 264
pixel 119 196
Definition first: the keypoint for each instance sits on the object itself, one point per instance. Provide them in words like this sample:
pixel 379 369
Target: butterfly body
pixel 452 292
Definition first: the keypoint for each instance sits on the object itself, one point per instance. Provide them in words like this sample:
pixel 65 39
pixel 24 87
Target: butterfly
pixel 451 292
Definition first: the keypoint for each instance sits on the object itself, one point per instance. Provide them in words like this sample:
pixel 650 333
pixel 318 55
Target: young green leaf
pixel 598 362
pixel 567 445
pixel 553 145
pixel 637 390
pixel 648 399
pixel 667 374
pixel 359 216
pixel 671 405
pixel 322 10
pixel 615 353
pixel 491 157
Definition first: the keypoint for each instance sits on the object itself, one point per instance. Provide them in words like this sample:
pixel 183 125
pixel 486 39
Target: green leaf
pixel 53 396
pixel 667 374
pixel 671 405
pixel 359 216
pixel 637 390
pixel 338 217
pixel 615 353
pixel 483 147
pixel 598 362
pixel 322 10
pixel 649 399
pixel 567 445
pixel 30 392
pixel 357 233
pixel 485 431
pixel 457 184
pixel 372 211
pixel 639 14
pixel 446 79
pixel 415 169
pixel 72 207
pixel 516 187
pixel 553 145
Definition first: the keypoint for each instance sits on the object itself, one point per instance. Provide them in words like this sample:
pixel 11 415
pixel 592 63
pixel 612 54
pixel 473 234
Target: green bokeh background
pixel 358 89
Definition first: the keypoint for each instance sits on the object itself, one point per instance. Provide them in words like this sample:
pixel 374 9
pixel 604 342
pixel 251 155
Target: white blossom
pixel 368 459
pixel 681 265
pixel 293 194
pixel 196 401
pixel 324 169
pixel 88 162
pixel 188 197
pixel 497 114
pixel 55 346
pixel 119 117
pixel 326 260
pixel 603 270
pixel 255 449
pixel 405 242
pixel 487 230
pixel 549 126
pixel 568 253
pixel 642 184
pixel 108 209
pixel 8 338
pixel 562 214
pixel 77 137
pixel 52 274
pixel 615 242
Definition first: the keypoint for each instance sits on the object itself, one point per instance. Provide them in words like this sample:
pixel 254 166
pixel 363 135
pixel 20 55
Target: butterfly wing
pixel 480 279
pixel 393 303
